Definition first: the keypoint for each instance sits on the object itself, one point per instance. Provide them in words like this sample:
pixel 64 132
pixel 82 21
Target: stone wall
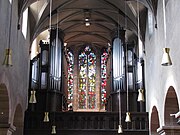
pixel 159 78
pixel 16 77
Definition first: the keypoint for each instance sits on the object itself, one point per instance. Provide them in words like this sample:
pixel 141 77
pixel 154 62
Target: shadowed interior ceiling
pixel 104 16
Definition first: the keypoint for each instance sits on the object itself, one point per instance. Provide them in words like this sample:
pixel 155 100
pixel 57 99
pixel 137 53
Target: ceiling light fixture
pixel 141 90
pixel 46 113
pixel 46 117
pixel 120 129
pixel 53 130
pixel 166 60
pixel 128 117
pixel 87 24
pixel 8 52
pixel 87 18
pixel 32 99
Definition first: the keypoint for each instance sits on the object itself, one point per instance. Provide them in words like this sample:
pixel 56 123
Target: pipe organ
pixel 46 74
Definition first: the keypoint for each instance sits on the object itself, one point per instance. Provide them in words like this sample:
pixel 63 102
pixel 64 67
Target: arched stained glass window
pixel 104 57
pixel 87 76
pixel 70 76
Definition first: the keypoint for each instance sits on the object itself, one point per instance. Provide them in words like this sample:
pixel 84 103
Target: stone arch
pixel 18 120
pixel 4 104
pixel 154 121
pixel 171 107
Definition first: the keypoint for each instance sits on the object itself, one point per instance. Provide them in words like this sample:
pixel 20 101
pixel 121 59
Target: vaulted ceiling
pixel 104 16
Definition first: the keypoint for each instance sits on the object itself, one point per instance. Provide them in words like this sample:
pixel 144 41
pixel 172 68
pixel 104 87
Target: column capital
pixel 7 129
pixel 168 130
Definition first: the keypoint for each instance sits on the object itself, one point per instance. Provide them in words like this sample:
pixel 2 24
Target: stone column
pixel 98 80
pixel 7 129
pixel 75 82
pixel 169 130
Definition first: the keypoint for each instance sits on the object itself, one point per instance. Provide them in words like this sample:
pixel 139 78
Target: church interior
pixel 94 67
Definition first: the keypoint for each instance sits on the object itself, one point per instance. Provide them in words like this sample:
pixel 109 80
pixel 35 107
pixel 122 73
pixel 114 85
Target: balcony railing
pixel 94 121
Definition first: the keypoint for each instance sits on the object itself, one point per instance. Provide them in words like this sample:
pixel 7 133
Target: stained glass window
pixel 70 76
pixel 104 57
pixel 87 76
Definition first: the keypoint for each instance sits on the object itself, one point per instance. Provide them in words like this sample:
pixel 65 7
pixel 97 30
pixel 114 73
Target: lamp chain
pixel 164 14
pixel 119 83
pixel 50 9
pixel 127 79
pixel 9 38
pixel 138 21
pixel 126 51
pixel 119 106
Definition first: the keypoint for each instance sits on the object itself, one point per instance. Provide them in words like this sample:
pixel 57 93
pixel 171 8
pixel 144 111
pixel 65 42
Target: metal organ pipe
pixel 56 62
pixel 117 63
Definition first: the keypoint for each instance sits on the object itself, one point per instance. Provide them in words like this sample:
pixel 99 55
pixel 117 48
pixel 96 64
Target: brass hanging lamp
pixel 53 131
pixel 8 51
pixel 128 118
pixel 140 95
pixel 120 129
pixel 8 57
pixel 141 90
pixel 46 117
pixel 32 99
pixel 166 60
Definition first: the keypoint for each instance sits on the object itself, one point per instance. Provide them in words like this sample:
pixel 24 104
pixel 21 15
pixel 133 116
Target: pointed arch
pixel 18 120
pixel 171 107
pixel 154 125
pixel 4 104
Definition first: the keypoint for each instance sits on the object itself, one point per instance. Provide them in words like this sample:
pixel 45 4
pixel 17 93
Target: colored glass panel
pixel 70 76
pixel 104 57
pixel 87 73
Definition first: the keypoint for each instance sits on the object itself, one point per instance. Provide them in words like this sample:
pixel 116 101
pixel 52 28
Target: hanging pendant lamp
pixel 46 117
pixel 128 117
pixel 8 57
pixel 32 99
pixel 140 95
pixel 120 129
pixel 53 130
pixel 140 91
pixel 166 60
pixel 8 52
